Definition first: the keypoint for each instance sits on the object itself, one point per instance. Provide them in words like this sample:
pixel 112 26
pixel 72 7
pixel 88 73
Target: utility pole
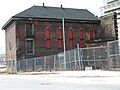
pixel 64 43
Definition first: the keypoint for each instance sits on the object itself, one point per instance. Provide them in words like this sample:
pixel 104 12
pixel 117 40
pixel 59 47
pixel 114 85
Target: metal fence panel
pixel 76 59
pixel 39 64
pixel 114 54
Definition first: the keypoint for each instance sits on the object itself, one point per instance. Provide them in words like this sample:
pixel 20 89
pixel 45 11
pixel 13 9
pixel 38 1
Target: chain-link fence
pixel 103 57
pixel 36 64
pixel 114 54
pixel 97 57
pixel 76 59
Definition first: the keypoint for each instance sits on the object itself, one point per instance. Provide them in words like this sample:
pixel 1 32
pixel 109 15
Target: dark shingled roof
pixel 55 12
pixel 52 13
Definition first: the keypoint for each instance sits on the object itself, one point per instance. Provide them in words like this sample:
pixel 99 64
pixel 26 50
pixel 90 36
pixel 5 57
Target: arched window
pixel 59 37
pixel 47 38
pixel 60 43
pixel 71 43
pixel 91 33
pixel 70 33
pixel 81 34
pixel 71 37
pixel 59 33
pixel 47 33
pixel 82 43
pixel 47 42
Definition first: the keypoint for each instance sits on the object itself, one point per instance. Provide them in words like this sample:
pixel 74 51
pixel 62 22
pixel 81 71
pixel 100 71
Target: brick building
pixel 38 31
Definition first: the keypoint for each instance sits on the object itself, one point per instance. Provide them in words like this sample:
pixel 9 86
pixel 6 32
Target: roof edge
pixel 53 18
pixel 12 19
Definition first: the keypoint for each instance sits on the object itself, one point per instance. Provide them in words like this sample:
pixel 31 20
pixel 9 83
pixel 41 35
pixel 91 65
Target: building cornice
pixel 13 19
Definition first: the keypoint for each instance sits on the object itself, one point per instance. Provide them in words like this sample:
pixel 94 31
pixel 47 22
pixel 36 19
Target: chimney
pixel 43 5
pixel 61 6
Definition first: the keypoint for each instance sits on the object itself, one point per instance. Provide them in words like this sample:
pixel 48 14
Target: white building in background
pixel 111 6
pixel 2 60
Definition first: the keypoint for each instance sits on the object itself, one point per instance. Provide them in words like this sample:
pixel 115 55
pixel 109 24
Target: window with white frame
pixel 30 46
pixel 29 29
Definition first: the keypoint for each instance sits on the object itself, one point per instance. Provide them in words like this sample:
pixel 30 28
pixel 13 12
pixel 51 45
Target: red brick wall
pixel 39 36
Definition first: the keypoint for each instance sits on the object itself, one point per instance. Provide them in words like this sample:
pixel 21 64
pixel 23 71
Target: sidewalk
pixel 38 73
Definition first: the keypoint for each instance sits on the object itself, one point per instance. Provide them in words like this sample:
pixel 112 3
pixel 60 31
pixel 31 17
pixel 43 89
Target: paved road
pixel 61 82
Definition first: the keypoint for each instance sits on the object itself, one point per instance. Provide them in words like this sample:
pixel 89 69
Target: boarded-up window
pixel 59 33
pixel 47 42
pixel 82 43
pixel 71 43
pixel 29 29
pixel 81 34
pixel 70 33
pixel 91 32
pixel 60 43
pixel 47 33
pixel 30 46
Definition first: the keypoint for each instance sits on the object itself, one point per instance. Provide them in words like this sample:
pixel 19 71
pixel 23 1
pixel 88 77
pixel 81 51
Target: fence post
pixel 26 65
pixel 54 61
pixel 80 56
pixel 34 64
pixel 44 63
pixel 15 66
pixel 69 59
pixel 75 60
pixel 19 65
pixel 108 56
pixel 94 57
pixel 59 63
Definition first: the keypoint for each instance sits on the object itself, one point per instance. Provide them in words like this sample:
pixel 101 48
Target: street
pixel 69 80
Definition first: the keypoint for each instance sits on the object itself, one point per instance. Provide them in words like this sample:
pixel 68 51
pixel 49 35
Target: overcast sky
pixel 9 8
